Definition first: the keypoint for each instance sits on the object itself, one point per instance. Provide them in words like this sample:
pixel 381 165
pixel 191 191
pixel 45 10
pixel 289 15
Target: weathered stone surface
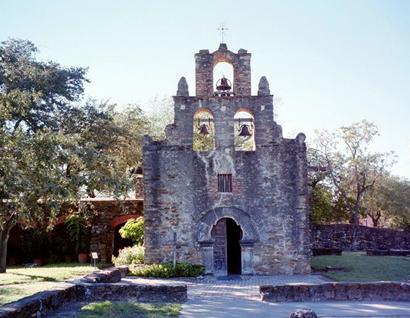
pixel 376 291
pixel 350 237
pixel 124 270
pixel 110 275
pixel 109 214
pixel 145 293
pixel 303 313
pixel 269 185
pixel 204 65
pixel 182 87
pixel 41 304
pixel 263 88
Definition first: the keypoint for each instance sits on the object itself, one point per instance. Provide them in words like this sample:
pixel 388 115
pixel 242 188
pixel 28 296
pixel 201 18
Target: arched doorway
pixel 116 224
pixel 227 249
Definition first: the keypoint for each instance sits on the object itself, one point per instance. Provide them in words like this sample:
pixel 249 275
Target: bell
pixel 203 130
pixel 224 84
pixel 245 132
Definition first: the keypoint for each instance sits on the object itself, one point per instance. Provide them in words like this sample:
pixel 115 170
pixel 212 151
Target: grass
pixel 359 267
pixel 110 309
pixel 19 282
pixel 47 273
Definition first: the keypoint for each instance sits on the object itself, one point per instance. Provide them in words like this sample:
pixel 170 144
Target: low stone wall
pixel 352 238
pixel 384 291
pixel 40 304
pixel 144 293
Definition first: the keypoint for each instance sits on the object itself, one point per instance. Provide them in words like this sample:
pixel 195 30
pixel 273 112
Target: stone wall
pixel 109 213
pixel 377 291
pixel 349 237
pixel 269 185
pixel 43 303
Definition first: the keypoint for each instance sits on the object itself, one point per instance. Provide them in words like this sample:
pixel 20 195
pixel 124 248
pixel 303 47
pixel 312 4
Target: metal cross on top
pixel 222 29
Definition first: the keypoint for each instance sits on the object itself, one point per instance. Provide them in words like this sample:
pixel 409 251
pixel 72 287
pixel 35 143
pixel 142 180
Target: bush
pixel 166 270
pixel 129 255
pixel 133 230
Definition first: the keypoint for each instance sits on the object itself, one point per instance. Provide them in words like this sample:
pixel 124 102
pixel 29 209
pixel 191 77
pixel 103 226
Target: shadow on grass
pixel 35 278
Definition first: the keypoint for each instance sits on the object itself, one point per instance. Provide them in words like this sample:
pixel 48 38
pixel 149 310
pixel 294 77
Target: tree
pixel 34 94
pixel 352 169
pixel 53 150
pixel 388 203
pixel 161 115
pixel 34 97
pixel 103 146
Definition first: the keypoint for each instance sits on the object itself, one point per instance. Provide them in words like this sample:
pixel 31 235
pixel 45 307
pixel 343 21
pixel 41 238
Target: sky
pixel 329 63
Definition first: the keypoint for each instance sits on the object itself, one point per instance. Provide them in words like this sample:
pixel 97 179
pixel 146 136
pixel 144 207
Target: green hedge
pixel 166 270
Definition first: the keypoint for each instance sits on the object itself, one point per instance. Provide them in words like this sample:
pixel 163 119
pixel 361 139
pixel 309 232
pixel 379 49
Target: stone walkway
pixel 239 298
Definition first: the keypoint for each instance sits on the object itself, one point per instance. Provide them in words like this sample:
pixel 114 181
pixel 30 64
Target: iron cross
pixel 222 29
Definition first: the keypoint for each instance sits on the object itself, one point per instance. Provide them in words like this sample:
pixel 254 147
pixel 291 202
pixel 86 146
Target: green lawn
pixel 110 309
pixel 19 282
pixel 360 267
pixel 47 273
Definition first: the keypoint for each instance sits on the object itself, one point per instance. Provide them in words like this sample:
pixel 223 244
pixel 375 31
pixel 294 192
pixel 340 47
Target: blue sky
pixel 331 63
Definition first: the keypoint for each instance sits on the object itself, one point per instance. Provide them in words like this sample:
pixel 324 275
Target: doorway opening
pixel 227 249
pixel 119 242
pixel 233 247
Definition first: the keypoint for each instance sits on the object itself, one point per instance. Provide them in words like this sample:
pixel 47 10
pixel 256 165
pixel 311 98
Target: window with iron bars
pixel 224 182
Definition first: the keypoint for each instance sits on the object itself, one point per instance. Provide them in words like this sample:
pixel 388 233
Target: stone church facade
pixel 235 211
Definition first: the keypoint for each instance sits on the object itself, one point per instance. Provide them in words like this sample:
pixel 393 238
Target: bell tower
pixel 205 63
pixel 224 182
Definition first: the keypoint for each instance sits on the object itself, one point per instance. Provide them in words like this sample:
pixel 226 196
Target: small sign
pixel 94 255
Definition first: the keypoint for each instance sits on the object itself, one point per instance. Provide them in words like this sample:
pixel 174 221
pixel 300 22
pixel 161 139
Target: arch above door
pixel 211 217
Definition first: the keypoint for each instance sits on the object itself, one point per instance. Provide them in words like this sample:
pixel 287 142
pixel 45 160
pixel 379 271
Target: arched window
pixel 204 131
pixel 244 130
pixel 223 70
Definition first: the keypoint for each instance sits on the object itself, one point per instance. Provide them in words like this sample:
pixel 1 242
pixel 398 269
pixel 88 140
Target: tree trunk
pixel 355 217
pixel 3 250
pixel 4 238
pixel 375 218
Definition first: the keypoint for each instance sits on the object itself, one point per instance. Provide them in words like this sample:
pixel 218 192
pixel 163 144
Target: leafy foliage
pixel 54 150
pixel 133 230
pixel 166 270
pixel 77 229
pixel 351 169
pixel 129 255
pixel 388 203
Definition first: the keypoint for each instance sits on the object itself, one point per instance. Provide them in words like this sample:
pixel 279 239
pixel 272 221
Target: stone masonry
pixel 268 199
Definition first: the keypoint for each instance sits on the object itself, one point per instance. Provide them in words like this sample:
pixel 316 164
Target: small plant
pixel 166 270
pixel 77 230
pixel 129 255
pixel 133 230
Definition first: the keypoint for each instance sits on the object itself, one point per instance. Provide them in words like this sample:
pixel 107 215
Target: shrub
pixel 133 230
pixel 166 270
pixel 129 255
